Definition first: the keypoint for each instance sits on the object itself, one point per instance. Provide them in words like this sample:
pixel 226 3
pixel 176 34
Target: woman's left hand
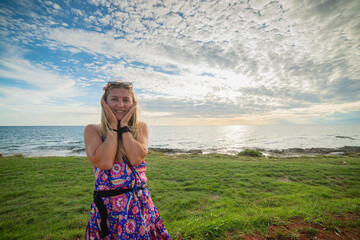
pixel 126 118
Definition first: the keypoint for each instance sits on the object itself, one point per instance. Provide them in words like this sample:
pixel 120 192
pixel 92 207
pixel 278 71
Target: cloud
pixel 195 59
pixel 13 65
pixel 41 97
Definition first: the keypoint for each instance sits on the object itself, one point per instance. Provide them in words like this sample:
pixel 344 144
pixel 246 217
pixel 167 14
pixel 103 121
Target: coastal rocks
pixel 350 149
pixel 313 151
pixel 289 152
pixel 174 151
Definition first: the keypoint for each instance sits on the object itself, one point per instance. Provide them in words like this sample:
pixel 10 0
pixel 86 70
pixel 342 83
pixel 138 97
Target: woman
pixel 122 206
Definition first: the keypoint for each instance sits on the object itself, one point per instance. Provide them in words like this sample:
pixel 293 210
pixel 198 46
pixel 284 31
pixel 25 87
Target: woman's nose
pixel 120 103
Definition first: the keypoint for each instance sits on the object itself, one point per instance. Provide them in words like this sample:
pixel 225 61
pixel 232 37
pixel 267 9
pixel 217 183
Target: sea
pixel 33 141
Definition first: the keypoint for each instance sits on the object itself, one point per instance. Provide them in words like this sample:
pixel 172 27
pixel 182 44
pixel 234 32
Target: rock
pixel 350 149
pixel 346 137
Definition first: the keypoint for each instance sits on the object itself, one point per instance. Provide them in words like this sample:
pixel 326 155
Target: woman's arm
pixel 136 151
pixel 100 153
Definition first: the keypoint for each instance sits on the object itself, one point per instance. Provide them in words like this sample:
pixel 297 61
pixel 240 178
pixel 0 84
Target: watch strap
pixel 123 130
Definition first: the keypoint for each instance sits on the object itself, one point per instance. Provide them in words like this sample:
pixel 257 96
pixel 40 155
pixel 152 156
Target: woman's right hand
pixel 109 114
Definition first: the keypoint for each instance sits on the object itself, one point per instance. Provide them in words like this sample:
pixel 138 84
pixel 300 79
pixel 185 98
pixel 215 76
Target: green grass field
pixel 198 196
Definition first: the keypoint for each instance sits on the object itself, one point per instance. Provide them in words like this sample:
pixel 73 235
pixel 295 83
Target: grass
pixel 198 196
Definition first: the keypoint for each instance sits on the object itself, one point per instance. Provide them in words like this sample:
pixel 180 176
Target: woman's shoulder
pixel 142 124
pixel 93 129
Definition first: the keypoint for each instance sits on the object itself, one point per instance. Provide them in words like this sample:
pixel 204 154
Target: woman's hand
pixel 126 118
pixel 109 114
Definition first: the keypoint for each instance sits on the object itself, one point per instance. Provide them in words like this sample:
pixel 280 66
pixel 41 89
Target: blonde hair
pixel 134 123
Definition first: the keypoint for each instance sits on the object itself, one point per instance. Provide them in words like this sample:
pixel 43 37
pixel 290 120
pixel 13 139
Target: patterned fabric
pixel 130 215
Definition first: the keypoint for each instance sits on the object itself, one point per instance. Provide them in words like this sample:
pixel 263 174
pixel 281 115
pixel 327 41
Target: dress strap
pixel 102 209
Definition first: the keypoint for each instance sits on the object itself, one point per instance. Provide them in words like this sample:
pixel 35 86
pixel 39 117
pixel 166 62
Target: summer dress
pixel 130 215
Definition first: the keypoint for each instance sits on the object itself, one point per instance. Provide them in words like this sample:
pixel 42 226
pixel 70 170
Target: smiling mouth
pixel 122 111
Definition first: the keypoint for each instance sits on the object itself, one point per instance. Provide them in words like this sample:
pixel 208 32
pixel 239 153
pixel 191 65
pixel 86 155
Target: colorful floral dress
pixel 131 215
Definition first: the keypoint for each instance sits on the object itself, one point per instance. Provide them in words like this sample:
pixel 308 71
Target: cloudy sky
pixel 191 62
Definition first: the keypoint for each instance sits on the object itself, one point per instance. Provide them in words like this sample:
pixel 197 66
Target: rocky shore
pixel 312 151
pixel 275 152
pixel 174 151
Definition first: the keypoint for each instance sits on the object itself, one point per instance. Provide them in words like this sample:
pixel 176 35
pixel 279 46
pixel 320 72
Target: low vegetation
pixel 198 196
pixel 250 152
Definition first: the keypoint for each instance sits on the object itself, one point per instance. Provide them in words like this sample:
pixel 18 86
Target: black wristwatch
pixel 122 130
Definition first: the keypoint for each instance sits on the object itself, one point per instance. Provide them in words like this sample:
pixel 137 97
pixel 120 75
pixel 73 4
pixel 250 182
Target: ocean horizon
pixel 33 141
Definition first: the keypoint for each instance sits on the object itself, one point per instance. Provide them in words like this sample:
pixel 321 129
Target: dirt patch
pixel 285 179
pixel 301 230
pixel 215 197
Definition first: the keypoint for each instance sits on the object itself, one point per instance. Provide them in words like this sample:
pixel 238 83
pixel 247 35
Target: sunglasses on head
pixel 117 83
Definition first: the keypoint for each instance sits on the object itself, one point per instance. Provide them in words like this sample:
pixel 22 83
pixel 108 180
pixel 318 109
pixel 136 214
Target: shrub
pixel 250 152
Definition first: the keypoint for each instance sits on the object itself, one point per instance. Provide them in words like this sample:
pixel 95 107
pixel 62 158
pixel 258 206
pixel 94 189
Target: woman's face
pixel 120 102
